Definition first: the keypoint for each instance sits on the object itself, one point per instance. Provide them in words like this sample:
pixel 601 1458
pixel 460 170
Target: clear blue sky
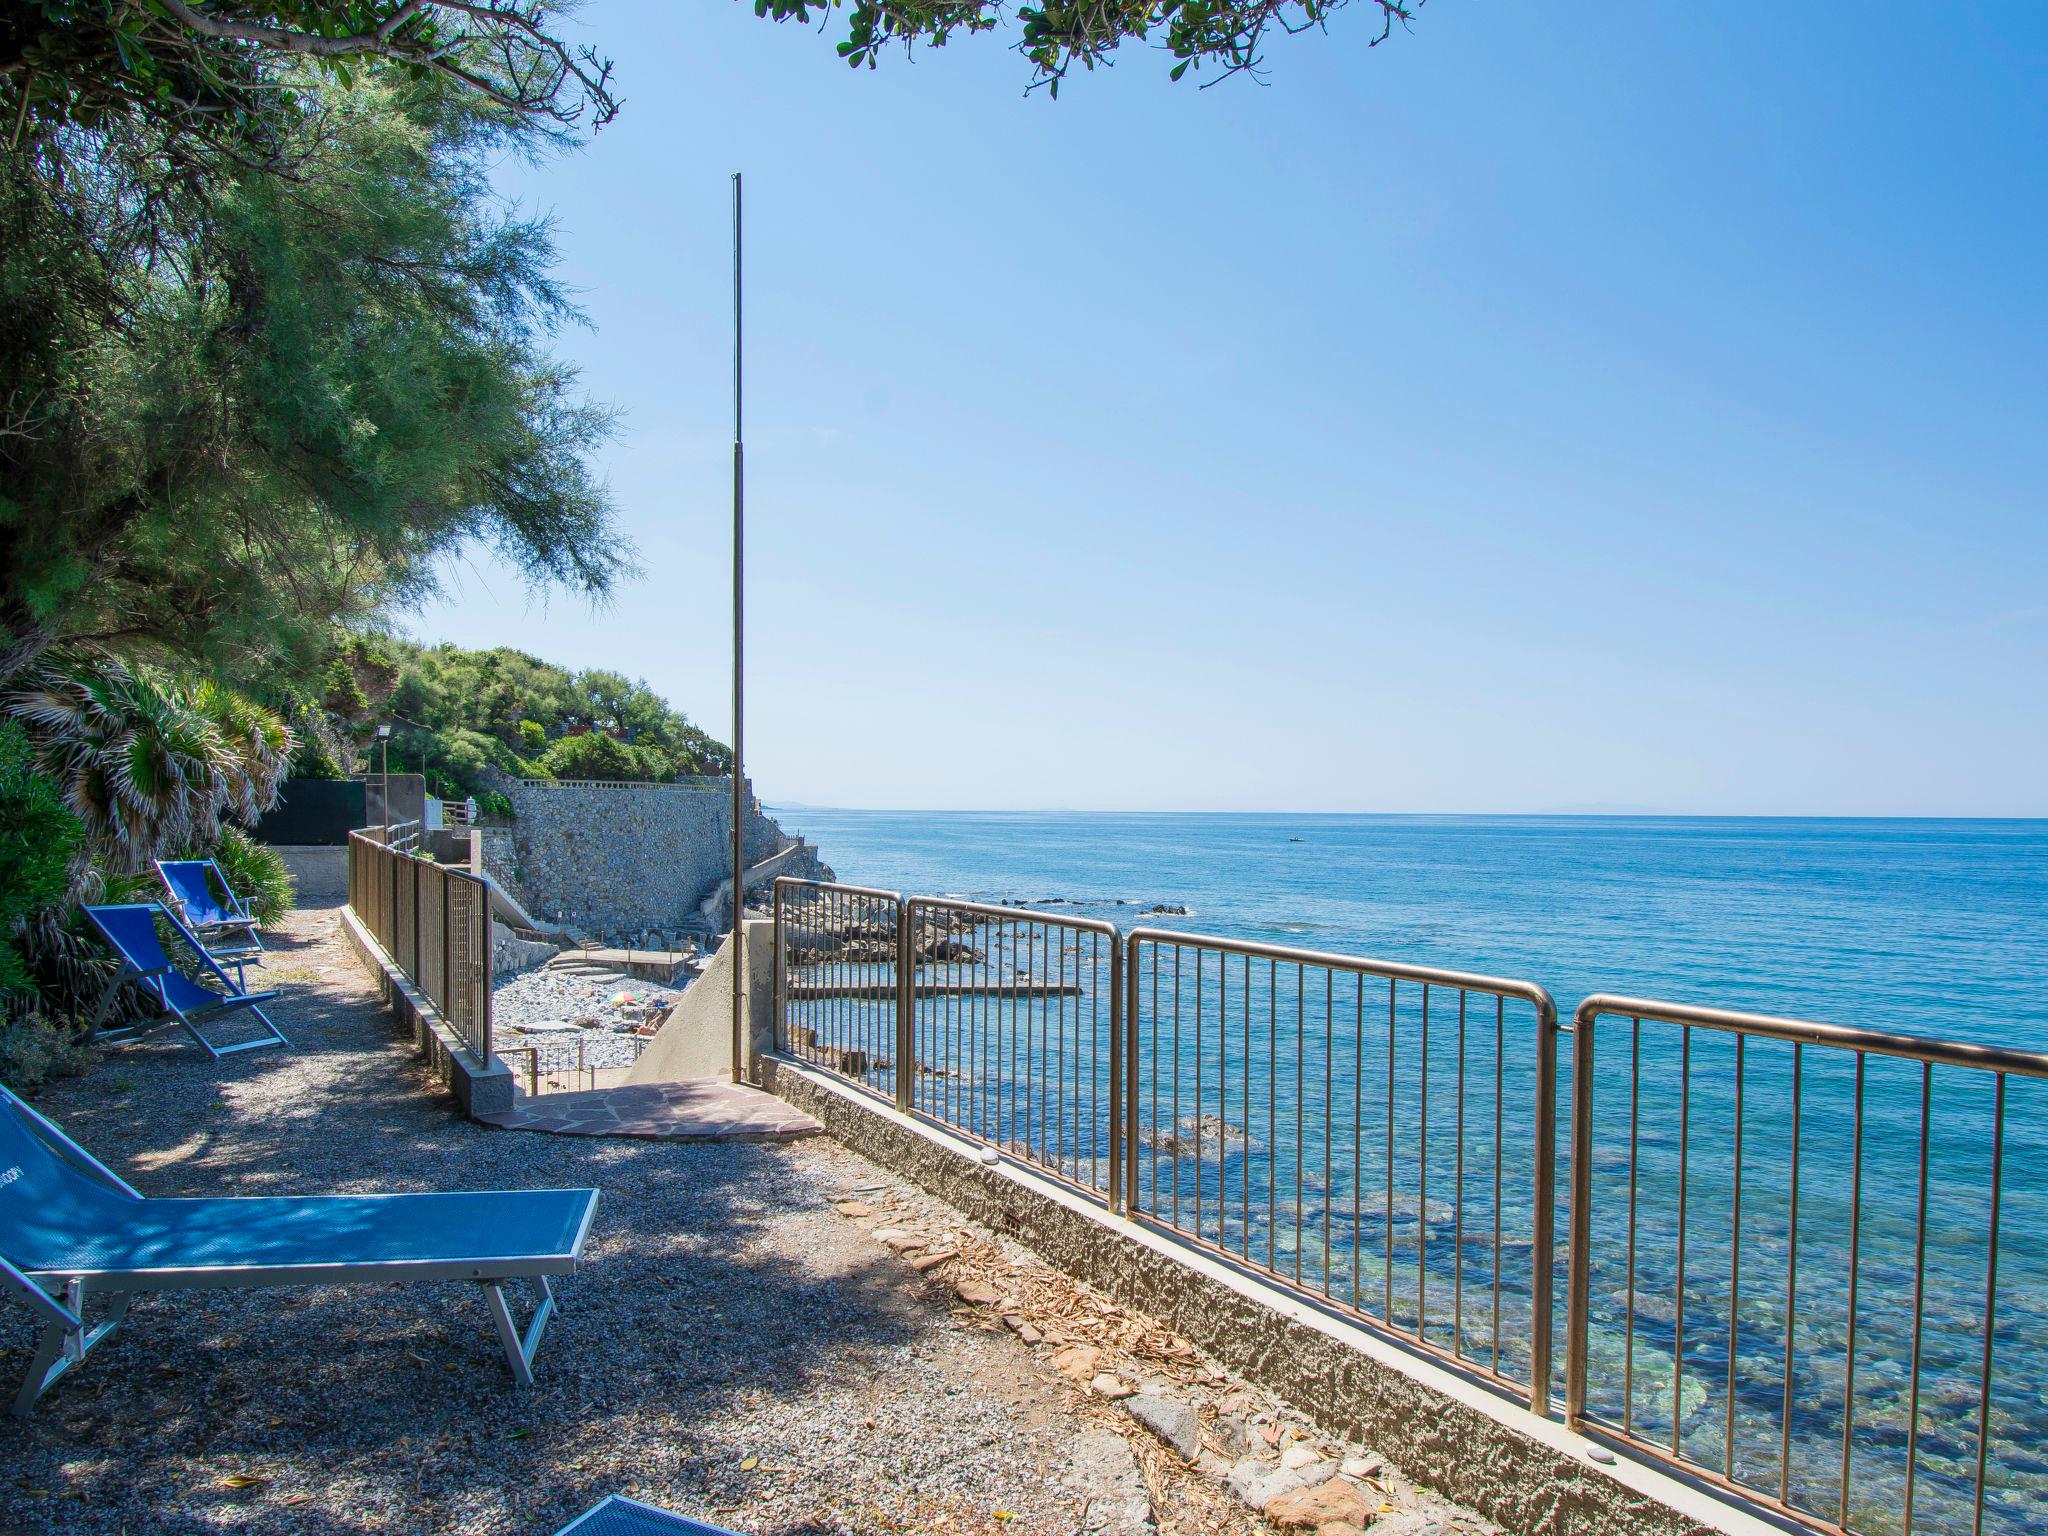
pixel 1613 406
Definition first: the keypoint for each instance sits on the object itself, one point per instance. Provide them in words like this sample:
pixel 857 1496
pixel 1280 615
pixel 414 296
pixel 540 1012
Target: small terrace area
pixel 779 1337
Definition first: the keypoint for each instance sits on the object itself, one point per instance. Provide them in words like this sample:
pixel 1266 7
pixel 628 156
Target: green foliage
pixel 494 804
pixel 595 755
pixel 70 966
pixel 33 1049
pixel 202 80
pixel 39 840
pixel 147 762
pixel 256 872
pixel 247 402
pixel 1055 35
pixel 342 693
pixel 480 712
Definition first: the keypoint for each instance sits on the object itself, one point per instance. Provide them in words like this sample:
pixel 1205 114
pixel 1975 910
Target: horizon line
pixel 1546 815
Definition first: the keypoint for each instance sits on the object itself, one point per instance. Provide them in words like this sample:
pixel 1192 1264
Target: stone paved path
pixel 705 1109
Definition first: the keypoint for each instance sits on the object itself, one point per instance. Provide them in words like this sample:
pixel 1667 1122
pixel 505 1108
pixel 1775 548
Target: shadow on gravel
pixel 388 1409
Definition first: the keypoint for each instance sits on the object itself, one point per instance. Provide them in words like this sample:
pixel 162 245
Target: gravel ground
pixel 734 1347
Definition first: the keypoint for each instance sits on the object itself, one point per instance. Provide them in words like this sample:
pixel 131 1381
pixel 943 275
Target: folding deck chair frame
pixel 230 936
pixel 621 1516
pixel 59 1298
pixel 170 989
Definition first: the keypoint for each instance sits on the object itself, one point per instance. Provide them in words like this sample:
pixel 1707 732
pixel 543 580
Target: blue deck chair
pixel 71 1229
pixel 131 929
pixel 621 1516
pixel 207 904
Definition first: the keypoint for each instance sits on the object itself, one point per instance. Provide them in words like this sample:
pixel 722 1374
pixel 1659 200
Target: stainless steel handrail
pixel 1801 1034
pixel 895 929
pixel 1465 984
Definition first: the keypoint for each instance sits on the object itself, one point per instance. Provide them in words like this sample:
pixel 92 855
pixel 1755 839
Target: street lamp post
pixel 384 782
pixel 739 866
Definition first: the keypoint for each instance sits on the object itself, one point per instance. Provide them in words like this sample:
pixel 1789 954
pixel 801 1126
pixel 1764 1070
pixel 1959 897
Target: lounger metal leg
pixel 272 1036
pixel 61 1348
pixel 519 1352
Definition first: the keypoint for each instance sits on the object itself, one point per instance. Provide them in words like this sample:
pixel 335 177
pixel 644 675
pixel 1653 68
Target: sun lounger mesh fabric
pixel 623 1517
pixel 55 1218
pixel 132 930
pixel 188 882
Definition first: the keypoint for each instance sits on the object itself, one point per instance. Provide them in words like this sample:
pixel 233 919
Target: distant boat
pixel 1294 839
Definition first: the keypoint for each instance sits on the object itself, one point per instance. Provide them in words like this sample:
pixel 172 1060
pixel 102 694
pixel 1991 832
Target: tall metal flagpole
pixel 739 530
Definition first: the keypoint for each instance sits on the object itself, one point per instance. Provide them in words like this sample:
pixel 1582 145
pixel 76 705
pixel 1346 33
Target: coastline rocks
pixel 1205 1132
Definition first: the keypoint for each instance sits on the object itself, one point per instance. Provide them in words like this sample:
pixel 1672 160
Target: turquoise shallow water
pixel 1923 927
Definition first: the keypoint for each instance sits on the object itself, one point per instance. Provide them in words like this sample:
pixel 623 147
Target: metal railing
pixel 1012 1028
pixel 553 1067
pixel 1381 1136
pixel 836 980
pixel 1786 1274
pixel 1788 1213
pixel 435 924
pixel 680 781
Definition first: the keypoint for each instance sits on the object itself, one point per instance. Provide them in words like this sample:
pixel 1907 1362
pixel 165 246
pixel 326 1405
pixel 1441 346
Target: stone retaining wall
pixel 621 859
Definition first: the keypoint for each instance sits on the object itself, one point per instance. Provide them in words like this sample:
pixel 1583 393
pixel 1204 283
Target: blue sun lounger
pixel 621 1516
pixel 132 930
pixel 207 904
pixel 71 1230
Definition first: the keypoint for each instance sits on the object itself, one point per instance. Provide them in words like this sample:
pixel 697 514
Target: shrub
pixel 494 804
pixel 33 1050
pixel 533 738
pixel 256 872
pixel 148 761
pixel 39 838
pixel 597 756
pixel 70 968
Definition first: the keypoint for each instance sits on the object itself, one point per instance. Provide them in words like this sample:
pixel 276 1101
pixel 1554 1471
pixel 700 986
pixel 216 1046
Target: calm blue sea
pixel 1924 927
pixel 1931 927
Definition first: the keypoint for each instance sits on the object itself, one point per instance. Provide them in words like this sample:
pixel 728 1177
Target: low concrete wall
pixel 696 1040
pixel 483 1088
pixel 1531 1475
pixel 319 874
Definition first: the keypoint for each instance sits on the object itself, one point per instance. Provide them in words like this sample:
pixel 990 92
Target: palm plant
pixel 146 761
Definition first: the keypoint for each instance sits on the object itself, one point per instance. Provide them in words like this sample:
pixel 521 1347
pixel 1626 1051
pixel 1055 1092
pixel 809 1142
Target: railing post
pixel 906 1008
pixel 1580 1241
pixel 413 950
pixel 481 905
pixel 1129 1046
pixel 1544 1243
pixel 1114 1194
pixel 447 946
pixel 779 1002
